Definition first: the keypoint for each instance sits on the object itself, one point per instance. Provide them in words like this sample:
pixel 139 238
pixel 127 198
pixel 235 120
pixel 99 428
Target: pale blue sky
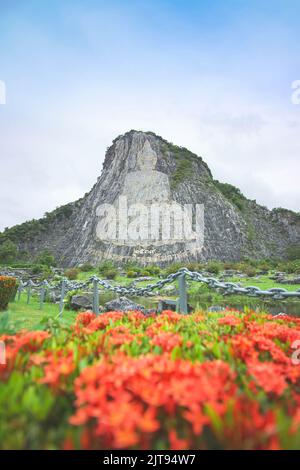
pixel 212 76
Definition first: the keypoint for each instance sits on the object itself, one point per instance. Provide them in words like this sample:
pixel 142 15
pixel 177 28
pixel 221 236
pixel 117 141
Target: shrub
pixel 184 170
pixel 72 274
pixel 106 266
pixel 43 271
pixel 145 273
pixel 265 265
pixel 293 253
pixel 37 269
pixel 8 252
pixel 250 271
pixel 292 267
pixel 153 270
pixel 7 290
pixel 14 293
pixel 131 274
pixel 229 265
pixel 132 266
pixel 195 266
pixel 21 265
pixel 250 262
pixel 239 266
pixel 68 298
pixel 85 268
pixel 46 258
pixel 172 268
pixel 214 267
pixel 247 268
pixel 232 193
pixel 111 273
pixel 108 269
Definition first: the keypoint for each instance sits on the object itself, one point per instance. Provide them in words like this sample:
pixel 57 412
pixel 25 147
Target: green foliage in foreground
pixel 20 315
pixel 201 381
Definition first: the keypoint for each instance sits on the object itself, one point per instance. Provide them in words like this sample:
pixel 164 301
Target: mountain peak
pixel 147 171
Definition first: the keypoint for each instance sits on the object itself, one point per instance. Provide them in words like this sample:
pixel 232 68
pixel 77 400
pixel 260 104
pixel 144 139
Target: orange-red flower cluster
pixel 169 381
pixel 125 397
pixel 57 368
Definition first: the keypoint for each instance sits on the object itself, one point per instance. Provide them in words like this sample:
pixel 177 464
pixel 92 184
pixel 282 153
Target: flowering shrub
pixel 125 381
pixel 7 290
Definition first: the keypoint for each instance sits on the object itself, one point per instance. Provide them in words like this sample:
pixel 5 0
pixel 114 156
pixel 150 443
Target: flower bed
pixel 223 380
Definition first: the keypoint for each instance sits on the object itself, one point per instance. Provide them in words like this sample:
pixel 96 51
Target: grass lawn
pixel 30 316
pixel 263 283
pixel 202 296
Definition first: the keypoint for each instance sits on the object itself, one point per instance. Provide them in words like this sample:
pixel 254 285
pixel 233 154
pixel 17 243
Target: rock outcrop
pixel 146 169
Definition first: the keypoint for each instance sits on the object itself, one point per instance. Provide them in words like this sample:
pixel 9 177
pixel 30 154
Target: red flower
pixel 57 369
pixel 248 427
pixel 166 340
pixel 176 443
pixel 126 396
pixel 85 318
pixel 229 320
pixel 269 376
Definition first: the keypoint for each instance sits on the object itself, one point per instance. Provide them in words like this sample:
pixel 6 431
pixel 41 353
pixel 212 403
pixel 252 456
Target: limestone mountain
pixel 146 169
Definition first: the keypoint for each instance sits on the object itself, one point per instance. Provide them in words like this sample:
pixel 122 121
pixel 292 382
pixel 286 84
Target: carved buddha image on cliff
pixel 144 220
pixel 145 184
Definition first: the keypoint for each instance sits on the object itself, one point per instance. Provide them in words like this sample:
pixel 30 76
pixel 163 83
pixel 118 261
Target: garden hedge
pixel 7 290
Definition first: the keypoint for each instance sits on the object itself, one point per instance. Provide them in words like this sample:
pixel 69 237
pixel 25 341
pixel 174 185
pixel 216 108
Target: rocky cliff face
pixel 143 168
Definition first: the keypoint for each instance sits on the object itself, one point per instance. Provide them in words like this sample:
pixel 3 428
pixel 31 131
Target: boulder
pixel 278 275
pixel 230 273
pixel 296 281
pixel 82 302
pixel 122 304
pixel 165 304
pixel 215 308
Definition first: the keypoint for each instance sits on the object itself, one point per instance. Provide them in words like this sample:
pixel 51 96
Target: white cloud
pixel 103 74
